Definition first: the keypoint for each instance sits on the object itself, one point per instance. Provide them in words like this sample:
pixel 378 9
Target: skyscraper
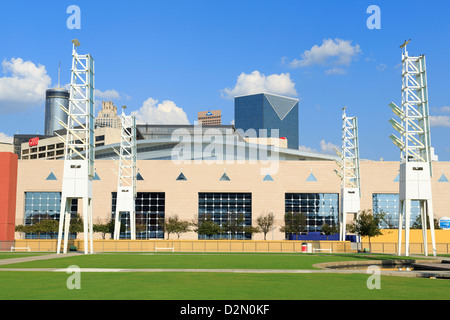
pixel 108 117
pixel 53 98
pixel 212 117
pixel 268 111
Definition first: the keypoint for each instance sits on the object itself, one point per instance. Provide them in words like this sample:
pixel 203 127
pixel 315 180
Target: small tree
pixel 104 228
pixel 76 225
pixel 235 223
pixel 24 229
pixel 251 230
pixel 206 227
pixel 367 225
pixel 294 223
pixel 177 226
pixel 266 223
pixel 418 223
pixel 48 226
pixel 329 230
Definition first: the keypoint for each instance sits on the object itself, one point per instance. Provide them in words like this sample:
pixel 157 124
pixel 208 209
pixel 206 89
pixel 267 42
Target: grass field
pixel 211 285
pixel 196 260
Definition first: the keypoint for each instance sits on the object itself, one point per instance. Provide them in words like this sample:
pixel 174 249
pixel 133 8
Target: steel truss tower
pixel 349 173
pixel 126 186
pixel 78 174
pixel 415 148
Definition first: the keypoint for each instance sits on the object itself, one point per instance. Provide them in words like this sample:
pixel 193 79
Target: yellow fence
pixel 190 245
pixel 414 248
pixel 386 243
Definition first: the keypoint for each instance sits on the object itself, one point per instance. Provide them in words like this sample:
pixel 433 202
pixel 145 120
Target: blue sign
pixel 209 113
pixel 444 223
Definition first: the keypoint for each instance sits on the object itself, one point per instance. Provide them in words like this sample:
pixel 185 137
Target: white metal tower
pixel 78 173
pixel 415 148
pixel 349 174
pixel 126 186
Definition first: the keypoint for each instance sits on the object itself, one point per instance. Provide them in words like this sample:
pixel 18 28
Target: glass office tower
pixel 268 111
pixel 53 112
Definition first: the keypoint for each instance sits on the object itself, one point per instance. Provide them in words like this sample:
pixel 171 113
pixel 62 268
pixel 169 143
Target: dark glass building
pixel 268 111
pixel 53 112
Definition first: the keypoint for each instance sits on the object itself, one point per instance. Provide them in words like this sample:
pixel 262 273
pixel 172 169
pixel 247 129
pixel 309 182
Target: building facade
pixel 108 117
pixel 221 191
pixel 266 111
pixel 50 148
pixel 210 118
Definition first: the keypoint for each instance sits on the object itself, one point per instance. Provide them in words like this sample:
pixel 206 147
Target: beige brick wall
pixel 182 196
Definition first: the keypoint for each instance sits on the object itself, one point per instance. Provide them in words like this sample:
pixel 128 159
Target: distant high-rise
pixel 53 113
pixel 268 111
pixel 210 118
pixel 107 117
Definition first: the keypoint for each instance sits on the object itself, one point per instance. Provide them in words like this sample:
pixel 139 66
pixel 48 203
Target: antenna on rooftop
pixel 59 75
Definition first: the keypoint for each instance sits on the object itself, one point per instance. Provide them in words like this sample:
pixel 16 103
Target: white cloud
pixel 440 121
pixel 107 94
pixel 307 149
pixel 444 109
pixel 166 112
pixel 335 70
pixel 23 85
pixel 328 147
pixel 5 138
pixel 257 82
pixel 331 52
pixel 325 147
pixel 381 67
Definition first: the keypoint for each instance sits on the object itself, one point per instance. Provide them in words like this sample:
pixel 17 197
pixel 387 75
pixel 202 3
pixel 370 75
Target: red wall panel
pixel 8 190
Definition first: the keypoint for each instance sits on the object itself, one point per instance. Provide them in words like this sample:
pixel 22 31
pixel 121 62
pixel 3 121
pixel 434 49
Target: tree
pixel 367 225
pixel 103 229
pixel 329 230
pixel 266 223
pixel 251 230
pixel 48 226
pixel 206 227
pixel 234 224
pixel 76 225
pixel 294 223
pixel 24 229
pixel 177 226
pixel 418 223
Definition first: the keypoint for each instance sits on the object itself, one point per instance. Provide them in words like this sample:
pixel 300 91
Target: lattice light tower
pixel 126 186
pixel 78 173
pixel 349 173
pixel 415 148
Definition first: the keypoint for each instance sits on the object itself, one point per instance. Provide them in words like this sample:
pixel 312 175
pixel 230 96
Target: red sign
pixel 33 142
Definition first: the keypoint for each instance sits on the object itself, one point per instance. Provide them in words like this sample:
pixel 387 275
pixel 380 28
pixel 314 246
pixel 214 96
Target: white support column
pixel 400 227
pixel 415 148
pixel 349 172
pixel 407 205
pixel 429 210
pixel 79 149
pixel 423 216
pixel 127 175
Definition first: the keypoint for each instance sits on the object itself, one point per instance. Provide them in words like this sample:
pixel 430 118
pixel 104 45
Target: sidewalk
pixel 35 258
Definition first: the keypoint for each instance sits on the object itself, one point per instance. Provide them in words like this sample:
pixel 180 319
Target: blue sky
pixel 175 58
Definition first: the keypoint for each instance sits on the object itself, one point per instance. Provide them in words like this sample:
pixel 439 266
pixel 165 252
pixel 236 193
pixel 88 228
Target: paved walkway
pixel 35 258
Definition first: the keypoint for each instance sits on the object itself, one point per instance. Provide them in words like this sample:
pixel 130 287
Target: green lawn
pixel 38 285
pixel 195 261
pixel 216 286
